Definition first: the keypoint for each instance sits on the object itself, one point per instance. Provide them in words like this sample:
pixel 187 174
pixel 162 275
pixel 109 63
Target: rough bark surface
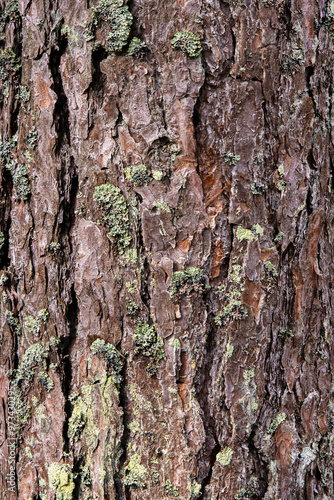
pixel 238 148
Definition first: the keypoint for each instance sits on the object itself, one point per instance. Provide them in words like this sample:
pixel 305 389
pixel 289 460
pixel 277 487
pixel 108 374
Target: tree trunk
pixel 167 254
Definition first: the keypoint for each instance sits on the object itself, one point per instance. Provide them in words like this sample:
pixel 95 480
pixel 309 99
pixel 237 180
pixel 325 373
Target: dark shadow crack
pixel 206 457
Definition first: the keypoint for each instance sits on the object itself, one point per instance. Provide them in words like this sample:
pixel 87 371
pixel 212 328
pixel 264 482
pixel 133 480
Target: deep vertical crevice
pixel 121 491
pixel 61 109
pixel 65 349
pixel 206 457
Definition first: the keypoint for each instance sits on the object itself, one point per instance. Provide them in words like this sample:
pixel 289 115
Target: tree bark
pixel 166 247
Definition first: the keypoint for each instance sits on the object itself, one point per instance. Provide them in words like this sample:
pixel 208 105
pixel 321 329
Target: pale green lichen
pixel 10 13
pixel 285 332
pixel 136 48
pixel 131 307
pixel 248 374
pixel 111 356
pixel 171 490
pixel 34 325
pixel 157 175
pixel 131 286
pixel 33 359
pixel 195 490
pixel 78 419
pixel 149 344
pixel 53 247
pixel 233 308
pixel 175 343
pixel 46 381
pixel 229 349
pixel 280 170
pixel 258 188
pixel 279 237
pixel 115 213
pixel 61 480
pixel 10 65
pixel 85 421
pixel 13 322
pixel 224 457
pixel 138 175
pixel 134 474
pixel 281 184
pixel 250 492
pixel 274 425
pixel 162 206
pixel 119 21
pixel 249 234
pixel 230 158
pixel 74 35
pixel 130 256
pixel 187 42
pixel 19 171
pixel 270 270
pixel 187 281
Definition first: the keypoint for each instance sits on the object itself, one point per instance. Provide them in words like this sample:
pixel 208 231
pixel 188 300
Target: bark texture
pixel 171 333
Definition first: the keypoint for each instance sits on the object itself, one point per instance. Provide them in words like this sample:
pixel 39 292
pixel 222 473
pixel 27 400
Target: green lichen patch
pixel 53 248
pixel 285 332
pixel 10 65
pixel 32 138
pixel 229 350
pixel 258 188
pixel 34 356
pixel 230 158
pixel 23 94
pixel 131 307
pixel 78 419
pixel 187 281
pixel 111 356
pixel 119 21
pixel 13 322
pixel 187 42
pixel 139 175
pixel 84 421
pixel 45 381
pixel 147 343
pixel 274 425
pixel 271 270
pixel 136 48
pixel 280 182
pixel 61 480
pixel 170 489
pixel 195 490
pixel 9 13
pixel 175 343
pixel 19 171
pixel 33 360
pixel 157 175
pixel 115 213
pixel 162 206
pixel 249 234
pixel 231 295
pixel 279 237
pixel 34 325
pixel 74 35
pixel 224 457
pixel 134 474
pixel 250 492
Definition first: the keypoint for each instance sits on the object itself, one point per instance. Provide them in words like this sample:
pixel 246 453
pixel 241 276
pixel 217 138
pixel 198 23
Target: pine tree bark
pixel 166 248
